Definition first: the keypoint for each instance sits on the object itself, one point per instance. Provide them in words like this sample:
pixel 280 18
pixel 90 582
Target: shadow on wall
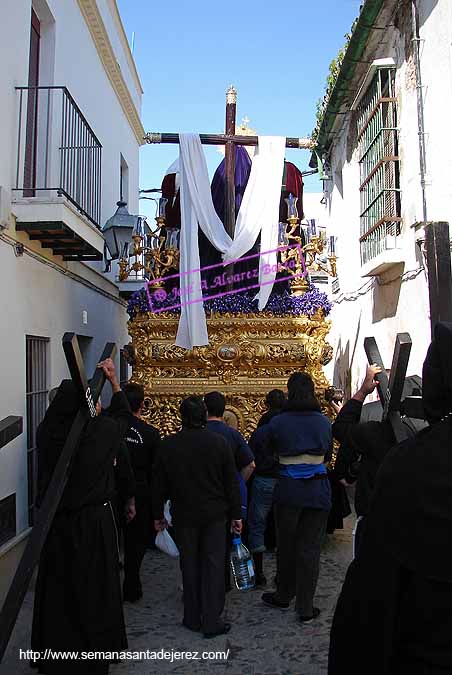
pixel 386 294
pixel 342 376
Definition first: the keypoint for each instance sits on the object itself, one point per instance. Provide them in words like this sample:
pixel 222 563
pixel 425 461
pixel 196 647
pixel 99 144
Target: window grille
pixel 379 166
pixel 37 390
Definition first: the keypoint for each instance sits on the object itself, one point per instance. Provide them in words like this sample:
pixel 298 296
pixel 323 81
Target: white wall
pixel 41 301
pixel 78 67
pixel 398 300
pixel 37 299
pixel 436 67
pixel 75 63
pixel 312 207
pixel 14 48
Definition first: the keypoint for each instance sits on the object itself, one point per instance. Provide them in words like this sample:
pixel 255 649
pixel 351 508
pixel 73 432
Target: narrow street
pixel 262 640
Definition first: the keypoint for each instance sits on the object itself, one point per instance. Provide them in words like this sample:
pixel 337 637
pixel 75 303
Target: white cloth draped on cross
pixel 258 214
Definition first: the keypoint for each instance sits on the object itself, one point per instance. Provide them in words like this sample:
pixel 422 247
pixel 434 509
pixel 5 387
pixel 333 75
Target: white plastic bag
pixel 167 513
pixel 165 543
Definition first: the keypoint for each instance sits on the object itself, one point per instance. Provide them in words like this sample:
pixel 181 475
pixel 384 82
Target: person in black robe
pixel 394 614
pixel 142 441
pixel 365 441
pixel 78 604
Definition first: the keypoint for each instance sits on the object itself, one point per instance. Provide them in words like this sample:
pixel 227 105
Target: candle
pixel 313 228
pixel 138 229
pixel 162 207
pixel 292 211
pixel 125 251
pixel 282 237
pixel 332 245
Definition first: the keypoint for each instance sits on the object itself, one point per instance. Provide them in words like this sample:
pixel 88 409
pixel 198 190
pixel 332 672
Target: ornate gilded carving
pixel 247 355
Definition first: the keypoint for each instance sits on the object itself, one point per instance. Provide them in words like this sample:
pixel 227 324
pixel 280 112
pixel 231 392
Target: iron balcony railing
pixel 57 151
pixel 379 166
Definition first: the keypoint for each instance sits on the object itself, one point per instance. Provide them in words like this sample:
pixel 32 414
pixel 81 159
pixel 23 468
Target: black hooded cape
pixel 78 605
pixel 394 614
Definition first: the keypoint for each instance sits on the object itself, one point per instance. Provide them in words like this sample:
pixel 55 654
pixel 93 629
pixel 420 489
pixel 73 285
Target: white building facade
pixel 70 133
pixel 394 91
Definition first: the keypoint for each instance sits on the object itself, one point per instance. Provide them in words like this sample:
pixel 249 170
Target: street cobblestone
pixel 262 641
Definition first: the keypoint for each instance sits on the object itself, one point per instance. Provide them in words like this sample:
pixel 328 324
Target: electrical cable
pixel 61 270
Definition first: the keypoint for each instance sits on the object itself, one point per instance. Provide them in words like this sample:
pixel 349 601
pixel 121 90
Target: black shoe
pixel 192 628
pixel 261 581
pixel 222 631
pixel 271 600
pixel 308 619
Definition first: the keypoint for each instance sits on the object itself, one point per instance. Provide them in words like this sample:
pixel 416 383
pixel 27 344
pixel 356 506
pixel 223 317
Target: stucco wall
pixel 68 58
pixel 36 298
pixel 397 301
pixel 41 301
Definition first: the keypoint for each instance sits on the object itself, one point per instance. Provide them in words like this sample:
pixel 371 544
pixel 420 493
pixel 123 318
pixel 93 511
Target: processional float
pixel 249 351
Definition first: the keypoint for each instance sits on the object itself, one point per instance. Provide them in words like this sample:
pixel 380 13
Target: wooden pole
pixel 390 388
pixel 437 246
pixel 10 428
pixel 221 139
pixel 229 183
pixel 88 396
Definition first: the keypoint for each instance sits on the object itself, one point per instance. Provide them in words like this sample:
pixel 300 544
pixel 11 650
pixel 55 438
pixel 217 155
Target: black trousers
pixel 136 537
pixel 300 536
pixel 359 531
pixel 202 561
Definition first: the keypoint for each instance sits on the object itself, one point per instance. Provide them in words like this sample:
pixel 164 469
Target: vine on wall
pixel 333 74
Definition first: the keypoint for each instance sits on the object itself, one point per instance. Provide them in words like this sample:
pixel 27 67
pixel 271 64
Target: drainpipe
pixel 420 106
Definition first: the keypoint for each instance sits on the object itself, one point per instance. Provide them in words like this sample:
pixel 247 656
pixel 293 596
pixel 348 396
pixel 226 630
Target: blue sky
pixel 276 55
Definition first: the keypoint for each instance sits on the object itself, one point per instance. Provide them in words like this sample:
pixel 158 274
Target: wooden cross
pixel 89 393
pixel 229 139
pixel 10 428
pixel 390 389
pixel 437 248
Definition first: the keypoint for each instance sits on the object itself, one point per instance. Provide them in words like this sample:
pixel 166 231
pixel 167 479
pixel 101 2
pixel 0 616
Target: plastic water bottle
pixel 242 565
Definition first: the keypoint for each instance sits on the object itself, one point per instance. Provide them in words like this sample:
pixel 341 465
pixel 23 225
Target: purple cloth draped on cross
pixel 242 173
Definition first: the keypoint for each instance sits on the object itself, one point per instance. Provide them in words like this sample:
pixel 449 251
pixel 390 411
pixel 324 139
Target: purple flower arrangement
pixel 244 303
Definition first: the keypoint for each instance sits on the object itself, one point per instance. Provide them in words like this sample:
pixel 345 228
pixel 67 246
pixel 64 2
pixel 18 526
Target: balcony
pixel 57 190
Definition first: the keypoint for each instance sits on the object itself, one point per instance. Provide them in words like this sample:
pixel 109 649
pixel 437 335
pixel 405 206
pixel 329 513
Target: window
pixel 37 390
pixel 379 165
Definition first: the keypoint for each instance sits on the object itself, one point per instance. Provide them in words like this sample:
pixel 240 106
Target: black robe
pixel 394 614
pixel 78 605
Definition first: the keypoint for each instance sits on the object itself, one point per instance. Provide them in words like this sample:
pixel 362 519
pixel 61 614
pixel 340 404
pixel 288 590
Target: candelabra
pixel 154 251
pixel 313 252
pixel 309 243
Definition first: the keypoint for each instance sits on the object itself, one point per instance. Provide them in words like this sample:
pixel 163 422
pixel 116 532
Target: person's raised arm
pixel 369 383
pixel 110 373
pixel 119 407
pixel 350 413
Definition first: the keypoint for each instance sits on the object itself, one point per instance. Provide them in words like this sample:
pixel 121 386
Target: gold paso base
pixel 247 356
